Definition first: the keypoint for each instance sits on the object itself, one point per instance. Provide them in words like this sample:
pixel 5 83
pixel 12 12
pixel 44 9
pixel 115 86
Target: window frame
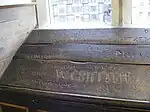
pixel 121 14
pixel 43 13
pixel 126 12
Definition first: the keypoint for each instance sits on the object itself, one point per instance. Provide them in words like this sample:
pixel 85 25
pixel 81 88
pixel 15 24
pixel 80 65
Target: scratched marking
pixel 90 36
pixel 113 80
pixel 85 52
pixel 92 77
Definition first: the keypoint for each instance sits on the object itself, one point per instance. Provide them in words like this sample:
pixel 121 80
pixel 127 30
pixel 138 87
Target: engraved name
pixel 93 76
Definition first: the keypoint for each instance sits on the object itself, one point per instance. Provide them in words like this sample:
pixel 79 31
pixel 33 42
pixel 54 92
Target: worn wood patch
pixel 137 54
pixel 104 36
pixel 4 64
pixel 99 79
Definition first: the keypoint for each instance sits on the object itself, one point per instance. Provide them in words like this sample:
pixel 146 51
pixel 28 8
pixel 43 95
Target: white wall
pixel 12 2
pixel 15 25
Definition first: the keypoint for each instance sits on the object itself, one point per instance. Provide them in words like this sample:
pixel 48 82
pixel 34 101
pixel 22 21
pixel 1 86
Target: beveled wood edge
pixel 98 28
pixel 77 97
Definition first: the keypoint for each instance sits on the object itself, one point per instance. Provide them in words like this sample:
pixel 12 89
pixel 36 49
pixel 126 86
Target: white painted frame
pixel 14 2
pixel 126 12
pixel 43 13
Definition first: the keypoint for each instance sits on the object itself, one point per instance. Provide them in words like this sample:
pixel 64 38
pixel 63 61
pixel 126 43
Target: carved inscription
pixel 142 38
pixel 84 75
pixel 134 40
pixel 90 36
pixel 113 80
pixel 85 52
pixel 92 76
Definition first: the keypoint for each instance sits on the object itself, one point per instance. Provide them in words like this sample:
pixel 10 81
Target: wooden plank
pixel 97 79
pixel 137 54
pixel 69 104
pixel 97 36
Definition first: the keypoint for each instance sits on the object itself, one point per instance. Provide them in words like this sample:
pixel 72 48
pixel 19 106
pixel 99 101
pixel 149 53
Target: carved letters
pixel 84 52
pixel 93 76
pixel 114 80
pixel 90 36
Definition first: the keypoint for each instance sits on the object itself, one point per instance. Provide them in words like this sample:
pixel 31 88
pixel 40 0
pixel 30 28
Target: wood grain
pixel 98 79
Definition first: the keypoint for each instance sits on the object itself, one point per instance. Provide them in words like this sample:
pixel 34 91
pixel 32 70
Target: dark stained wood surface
pixel 68 64
pixel 70 104
pixel 95 79
pixel 137 54
pixel 97 36
pixel 99 66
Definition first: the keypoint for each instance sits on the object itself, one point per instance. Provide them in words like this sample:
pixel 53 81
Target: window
pixel 141 12
pixel 81 11
pixel 93 13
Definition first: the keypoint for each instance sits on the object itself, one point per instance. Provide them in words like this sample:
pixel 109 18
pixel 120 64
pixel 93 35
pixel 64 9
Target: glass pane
pixel 83 11
pixel 141 12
